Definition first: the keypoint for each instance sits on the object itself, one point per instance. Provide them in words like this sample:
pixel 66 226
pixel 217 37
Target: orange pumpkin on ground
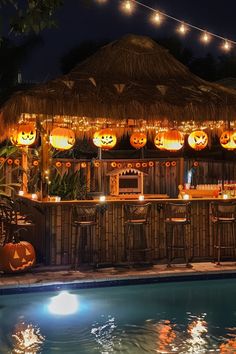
pixel 62 138
pixel 198 140
pixel 17 256
pixel 138 140
pixel 23 135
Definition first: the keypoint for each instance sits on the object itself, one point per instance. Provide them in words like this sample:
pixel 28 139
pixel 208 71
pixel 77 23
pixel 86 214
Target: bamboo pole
pixel 24 151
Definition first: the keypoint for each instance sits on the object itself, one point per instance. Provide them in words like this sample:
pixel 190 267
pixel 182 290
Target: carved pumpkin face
pixel 62 138
pixel 173 140
pixel 138 140
pixel 159 140
pixel 17 257
pixel 105 139
pixel 228 139
pixel 198 140
pixel 23 135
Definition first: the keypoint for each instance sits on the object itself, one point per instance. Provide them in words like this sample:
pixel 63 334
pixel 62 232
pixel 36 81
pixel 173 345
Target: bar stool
pixel 177 218
pixel 223 213
pixel 136 215
pixel 85 220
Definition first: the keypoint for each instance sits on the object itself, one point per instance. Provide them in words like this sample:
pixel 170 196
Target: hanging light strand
pixel 157 17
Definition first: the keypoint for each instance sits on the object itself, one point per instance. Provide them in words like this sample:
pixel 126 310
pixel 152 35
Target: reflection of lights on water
pixel 104 335
pixel 197 330
pixel 27 340
pixel 63 304
pixel 166 336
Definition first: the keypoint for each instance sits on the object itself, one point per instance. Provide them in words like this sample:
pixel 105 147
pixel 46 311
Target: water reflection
pixel 104 335
pixel 27 339
pixel 165 336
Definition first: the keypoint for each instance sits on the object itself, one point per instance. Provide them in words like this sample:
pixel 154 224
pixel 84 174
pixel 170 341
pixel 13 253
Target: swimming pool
pixel 183 317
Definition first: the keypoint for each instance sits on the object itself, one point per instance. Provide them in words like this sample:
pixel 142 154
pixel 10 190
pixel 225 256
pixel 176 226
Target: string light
pixel 128 7
pixel 156 18
pixel 182 29
pixel 226 45
pixel 205 38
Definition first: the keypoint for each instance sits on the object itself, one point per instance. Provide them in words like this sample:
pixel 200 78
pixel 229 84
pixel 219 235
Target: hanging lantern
pixel 105 139
pixel 62 138
pixel 138 140
pixel 159 140
pixel 173 140
pixel 228 139
pixel 198 140
pixel 23 135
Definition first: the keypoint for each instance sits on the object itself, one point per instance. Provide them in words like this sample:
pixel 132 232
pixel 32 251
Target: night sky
pixel 78 22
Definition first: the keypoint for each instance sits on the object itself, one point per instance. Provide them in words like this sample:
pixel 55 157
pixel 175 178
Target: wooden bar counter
pixel 53 235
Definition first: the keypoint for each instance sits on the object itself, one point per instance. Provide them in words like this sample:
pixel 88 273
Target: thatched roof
pixel 133 77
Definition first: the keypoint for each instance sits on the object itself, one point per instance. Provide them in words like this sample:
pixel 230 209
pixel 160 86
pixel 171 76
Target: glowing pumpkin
pixel 173 140
pixel 105 139
pixel 159 140
pixel 198 140
pixel 17 256
pixel 23 135
pixel 62 138
pixel 138 140
pixel 228 139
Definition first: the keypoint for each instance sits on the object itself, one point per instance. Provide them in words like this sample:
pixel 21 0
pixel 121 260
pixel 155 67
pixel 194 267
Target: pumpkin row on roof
pixel 171 140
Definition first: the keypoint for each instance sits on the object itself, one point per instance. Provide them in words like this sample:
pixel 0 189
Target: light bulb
pixel 226 46
pixel 156 18
pixel 205 37
pixel 127 6
pixel 182 29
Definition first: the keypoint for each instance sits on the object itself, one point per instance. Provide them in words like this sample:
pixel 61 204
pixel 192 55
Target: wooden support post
pixel 45 164
pixel 24 151
pixel 181 171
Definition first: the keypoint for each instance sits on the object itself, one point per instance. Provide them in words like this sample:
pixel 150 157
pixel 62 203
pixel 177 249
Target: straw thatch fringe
pixel 154 86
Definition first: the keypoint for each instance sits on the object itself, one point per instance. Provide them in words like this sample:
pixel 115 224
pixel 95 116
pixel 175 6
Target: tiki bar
pixel 129 158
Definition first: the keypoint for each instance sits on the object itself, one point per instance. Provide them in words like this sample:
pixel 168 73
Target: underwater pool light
pixel 63 304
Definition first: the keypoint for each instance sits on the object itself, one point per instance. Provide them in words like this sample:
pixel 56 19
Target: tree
pixel 27 16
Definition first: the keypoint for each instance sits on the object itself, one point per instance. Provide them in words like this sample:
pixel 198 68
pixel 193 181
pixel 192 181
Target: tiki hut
pixel 129 82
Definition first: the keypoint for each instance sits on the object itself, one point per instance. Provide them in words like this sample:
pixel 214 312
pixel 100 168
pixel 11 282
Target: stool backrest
pixel 178 210
pixel 85 213
pixel 137 211
pixel 223 209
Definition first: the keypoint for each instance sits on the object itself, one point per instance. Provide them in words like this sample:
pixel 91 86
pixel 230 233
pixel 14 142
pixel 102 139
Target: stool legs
pixel 144 244
pixel 217 240
pixel 170 243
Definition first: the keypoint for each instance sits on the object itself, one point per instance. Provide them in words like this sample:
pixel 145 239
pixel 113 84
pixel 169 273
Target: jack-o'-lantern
pixel 138 140
pixel 17 256
pixel 198 140
pixel 228 139
pixel 173 140
pixel 159 141
pixel 23 135
pixel 105 139
pixel 62 138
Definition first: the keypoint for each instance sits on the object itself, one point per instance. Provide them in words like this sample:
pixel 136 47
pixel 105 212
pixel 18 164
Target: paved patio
pixel 86 277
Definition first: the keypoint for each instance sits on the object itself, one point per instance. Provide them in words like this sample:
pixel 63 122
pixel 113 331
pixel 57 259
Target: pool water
pixel 183 317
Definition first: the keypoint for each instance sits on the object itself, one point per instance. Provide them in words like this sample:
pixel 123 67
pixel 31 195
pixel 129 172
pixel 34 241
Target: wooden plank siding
pixel 54 237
